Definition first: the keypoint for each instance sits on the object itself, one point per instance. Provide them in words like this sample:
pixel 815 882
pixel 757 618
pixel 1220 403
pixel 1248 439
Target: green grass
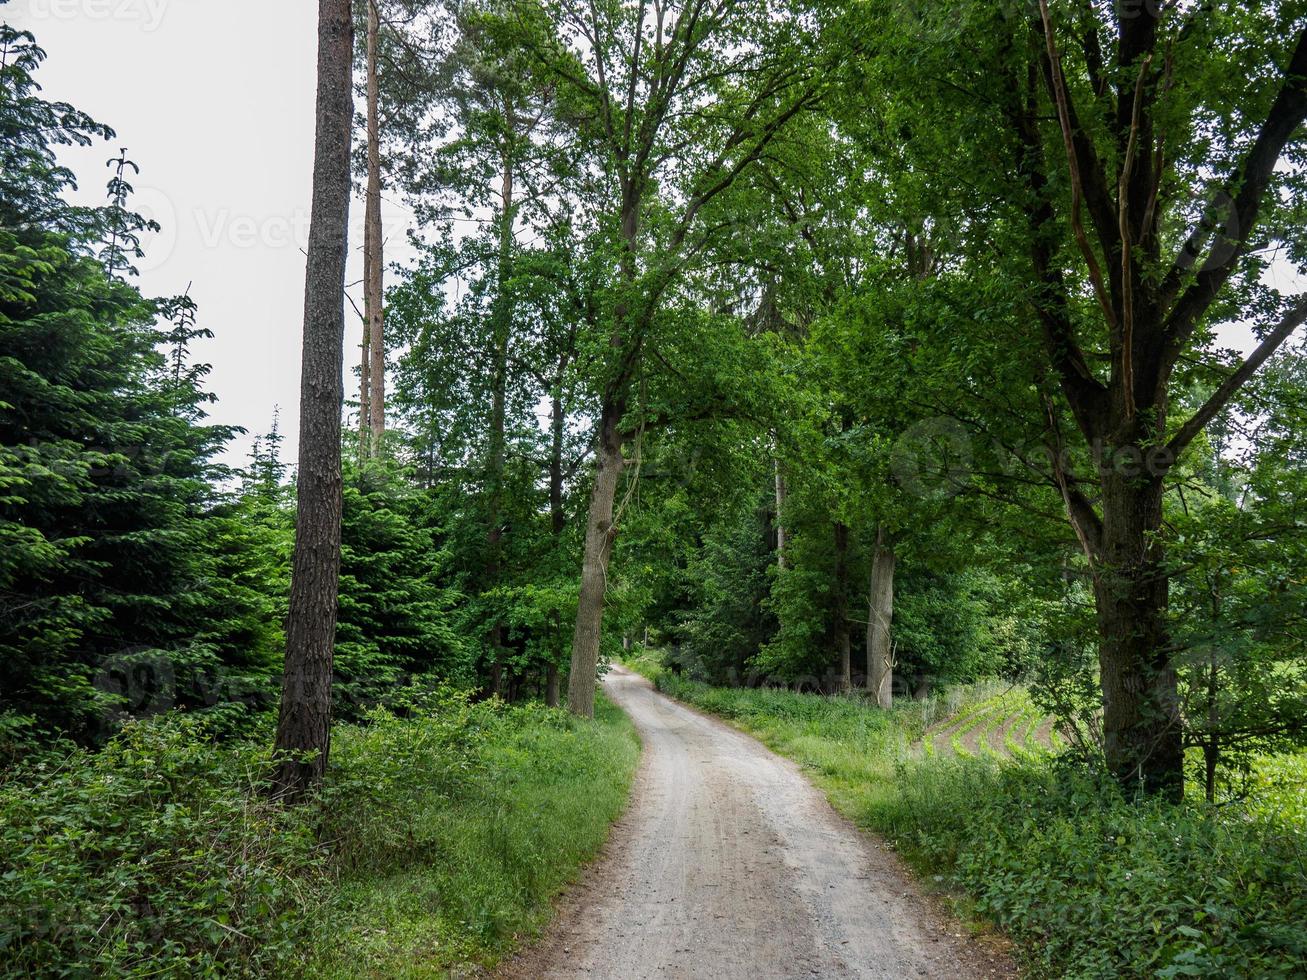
pixel 443 833
pixel 1087 883
pixel 853 751
pixel 646 663
pixel 485 865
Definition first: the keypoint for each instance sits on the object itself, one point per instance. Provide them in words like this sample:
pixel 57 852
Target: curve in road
pixel 730 865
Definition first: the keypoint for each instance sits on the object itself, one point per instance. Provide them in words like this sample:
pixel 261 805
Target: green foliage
pixel 441 836
pixel 157 855
pixel 109 604
pixel 726 583
pixel 395 617
pixel 1056 858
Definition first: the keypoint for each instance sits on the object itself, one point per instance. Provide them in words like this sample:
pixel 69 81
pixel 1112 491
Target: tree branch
pixel 1251 179
pixel 1083 390
pixel 1063 101
pixel 1127 261
pixel 1296 316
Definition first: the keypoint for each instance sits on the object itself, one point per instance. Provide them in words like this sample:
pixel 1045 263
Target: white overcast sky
pixel 213 99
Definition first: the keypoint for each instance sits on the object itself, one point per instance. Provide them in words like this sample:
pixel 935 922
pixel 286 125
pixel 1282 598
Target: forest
pixel 913 387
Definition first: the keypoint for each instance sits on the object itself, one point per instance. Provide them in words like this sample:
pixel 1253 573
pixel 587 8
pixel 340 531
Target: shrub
pixel 1094 885
pixel 442 833
pixel 158 855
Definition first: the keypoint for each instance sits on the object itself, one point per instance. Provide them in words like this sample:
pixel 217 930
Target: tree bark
pixel 780 519
pixel 843 642
pixel 551 685
pixel 1142 729
pixel 372 249
pixel 880 618
pixel 303 736
pixel 599 535
pixel 365 369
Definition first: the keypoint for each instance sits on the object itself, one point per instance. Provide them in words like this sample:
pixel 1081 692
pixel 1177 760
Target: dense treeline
pixel 803 369
pixel 138 574
pixel 865 350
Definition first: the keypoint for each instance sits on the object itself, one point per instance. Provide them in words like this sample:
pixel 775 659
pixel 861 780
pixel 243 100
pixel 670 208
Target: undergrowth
pixel 443 832
pixel 1086 882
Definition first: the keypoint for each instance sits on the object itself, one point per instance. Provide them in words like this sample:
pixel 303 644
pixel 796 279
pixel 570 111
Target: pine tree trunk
pixel 372 248
pixel 304 721
pixel 365 370
pixel 599 534
pixel 501 326
pixel 1142 730
pixel 843 642
pixel 880 618
pixel 557 521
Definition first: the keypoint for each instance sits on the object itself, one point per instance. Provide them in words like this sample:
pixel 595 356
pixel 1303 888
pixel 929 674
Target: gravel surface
pixel 730 865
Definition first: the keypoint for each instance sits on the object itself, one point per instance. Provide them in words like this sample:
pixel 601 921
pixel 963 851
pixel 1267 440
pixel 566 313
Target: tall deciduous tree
pixel 1120 176
pixel 304 724
pixel 1144 167
pixel 676 100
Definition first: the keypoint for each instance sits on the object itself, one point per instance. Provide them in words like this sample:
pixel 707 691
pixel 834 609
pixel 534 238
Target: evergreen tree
pixel 105 466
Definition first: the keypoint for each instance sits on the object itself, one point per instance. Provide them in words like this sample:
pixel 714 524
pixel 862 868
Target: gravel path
pixel 729 865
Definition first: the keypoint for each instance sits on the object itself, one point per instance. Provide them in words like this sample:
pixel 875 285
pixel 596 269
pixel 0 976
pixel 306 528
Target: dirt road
pixel 729 865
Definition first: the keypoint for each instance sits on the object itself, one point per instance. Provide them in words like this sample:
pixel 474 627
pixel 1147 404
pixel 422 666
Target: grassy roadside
pixel 444 832
pixel 1086 883
pixel 481 867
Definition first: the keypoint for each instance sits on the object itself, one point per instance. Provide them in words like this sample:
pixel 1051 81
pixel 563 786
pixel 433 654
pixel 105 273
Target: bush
pixel 157 855
pixel 1094 885
pixel 443 831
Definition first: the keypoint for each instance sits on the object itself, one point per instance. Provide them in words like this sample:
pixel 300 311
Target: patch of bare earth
pixel 1014 726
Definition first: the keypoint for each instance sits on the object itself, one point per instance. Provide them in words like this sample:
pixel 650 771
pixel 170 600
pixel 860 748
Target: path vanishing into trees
pixel 729 865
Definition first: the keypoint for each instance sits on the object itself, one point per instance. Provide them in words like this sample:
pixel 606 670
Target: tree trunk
pixel 1141 706
pixel 557 521
pixel 365 369
pixel 880 619
pixel 843 642
pixel 501 327
pixel 304 721
pixel 599 530
pixel 372 248
pixel 599 535
pixel 1212 743
pixel 557 518
pixel 551 685
pixel 780 520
